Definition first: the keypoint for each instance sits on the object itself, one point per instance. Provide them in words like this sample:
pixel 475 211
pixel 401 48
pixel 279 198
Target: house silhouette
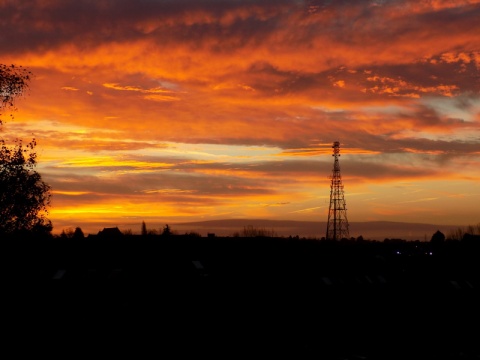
pixel 110 233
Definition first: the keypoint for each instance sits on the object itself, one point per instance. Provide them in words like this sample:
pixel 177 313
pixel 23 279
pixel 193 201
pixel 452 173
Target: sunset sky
pixel 169 111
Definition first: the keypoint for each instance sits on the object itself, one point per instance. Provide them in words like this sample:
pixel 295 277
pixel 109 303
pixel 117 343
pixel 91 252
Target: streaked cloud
pixel 202 109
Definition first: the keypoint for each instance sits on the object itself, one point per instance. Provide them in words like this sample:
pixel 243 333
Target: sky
pixel 169 111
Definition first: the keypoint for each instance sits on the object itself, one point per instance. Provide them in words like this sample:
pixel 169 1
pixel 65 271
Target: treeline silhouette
pixel 269 295
pixel 393 262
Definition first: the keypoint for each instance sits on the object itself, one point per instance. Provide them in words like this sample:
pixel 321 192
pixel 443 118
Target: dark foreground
pixel 180 297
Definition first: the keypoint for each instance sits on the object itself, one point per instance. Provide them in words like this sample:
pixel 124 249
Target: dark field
pixel 184 296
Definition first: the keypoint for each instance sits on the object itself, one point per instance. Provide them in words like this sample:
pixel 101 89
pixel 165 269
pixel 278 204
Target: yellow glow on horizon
pixel 108 161
pixel 107 210
pixel 70 193
pixel 168 191
pixel 326 151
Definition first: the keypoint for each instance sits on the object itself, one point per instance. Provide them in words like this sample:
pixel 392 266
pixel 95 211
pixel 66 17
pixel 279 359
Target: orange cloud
pixel 126 101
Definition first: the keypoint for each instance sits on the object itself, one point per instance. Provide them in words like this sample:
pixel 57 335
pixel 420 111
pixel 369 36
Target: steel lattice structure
pixel 337 225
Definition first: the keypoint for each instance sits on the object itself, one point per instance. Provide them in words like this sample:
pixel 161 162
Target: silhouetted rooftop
pixel 110 232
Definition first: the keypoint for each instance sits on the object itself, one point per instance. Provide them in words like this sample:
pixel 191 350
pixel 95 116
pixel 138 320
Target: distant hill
pixel 373 230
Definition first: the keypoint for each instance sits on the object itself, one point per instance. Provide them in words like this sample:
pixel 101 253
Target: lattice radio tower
pixel 337 225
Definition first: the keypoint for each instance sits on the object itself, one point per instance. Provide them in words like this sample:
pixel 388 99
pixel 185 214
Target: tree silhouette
pixel 166 230
pixel 251 231
pixel 67 233
pixel 128 232
pixel 78 233
pixel 13 83
pixel 438 238
pixel 24 197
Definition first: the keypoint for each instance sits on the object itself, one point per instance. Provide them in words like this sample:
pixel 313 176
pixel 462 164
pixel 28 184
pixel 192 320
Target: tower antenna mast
pixel 337 225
